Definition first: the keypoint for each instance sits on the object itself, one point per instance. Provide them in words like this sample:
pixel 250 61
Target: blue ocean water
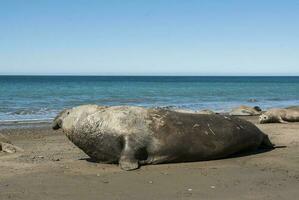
pixel 42 97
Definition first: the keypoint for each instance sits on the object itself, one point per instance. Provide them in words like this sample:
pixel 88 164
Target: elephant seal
pixel 133 136
pixel 293 108
pixel 277 115
pixel 245 111
pixel 6 145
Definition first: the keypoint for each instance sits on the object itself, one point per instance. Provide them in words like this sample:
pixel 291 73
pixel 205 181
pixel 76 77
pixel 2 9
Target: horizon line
pixel 169 75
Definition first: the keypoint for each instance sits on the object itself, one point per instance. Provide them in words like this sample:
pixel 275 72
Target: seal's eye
pixel 68 113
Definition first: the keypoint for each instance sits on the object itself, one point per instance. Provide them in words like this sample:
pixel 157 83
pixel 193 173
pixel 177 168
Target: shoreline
pixel 221 111
pixel 18 124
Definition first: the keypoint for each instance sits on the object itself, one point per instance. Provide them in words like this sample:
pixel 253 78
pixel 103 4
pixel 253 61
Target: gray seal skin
pixel 277 115
pixel 7 147
pixel 133 136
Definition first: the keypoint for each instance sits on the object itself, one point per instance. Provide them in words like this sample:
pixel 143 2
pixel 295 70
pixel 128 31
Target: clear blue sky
pixel 200 37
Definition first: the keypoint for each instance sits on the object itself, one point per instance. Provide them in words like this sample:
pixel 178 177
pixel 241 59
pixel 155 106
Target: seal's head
pixel 68 118
pixel 264 118
pixel 58 120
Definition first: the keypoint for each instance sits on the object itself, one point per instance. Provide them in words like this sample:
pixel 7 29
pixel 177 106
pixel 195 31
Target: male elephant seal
pixel 133 136
pixel 277 115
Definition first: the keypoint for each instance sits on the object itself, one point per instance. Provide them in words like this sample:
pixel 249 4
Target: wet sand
pixel 51 167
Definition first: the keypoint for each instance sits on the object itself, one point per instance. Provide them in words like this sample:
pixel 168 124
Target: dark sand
pixel 51 167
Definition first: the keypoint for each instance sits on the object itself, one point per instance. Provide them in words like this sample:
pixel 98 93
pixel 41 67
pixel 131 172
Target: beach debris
pixel 189 189
pixel 55 159
pixel 37 157
pixel 150 182
pixel 213 187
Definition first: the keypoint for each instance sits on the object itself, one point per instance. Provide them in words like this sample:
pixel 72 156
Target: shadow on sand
pixel 237 155
pixel 253 152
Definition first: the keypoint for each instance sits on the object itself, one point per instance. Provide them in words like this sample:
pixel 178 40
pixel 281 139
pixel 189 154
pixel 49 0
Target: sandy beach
pixel 51 167
pixel 148 82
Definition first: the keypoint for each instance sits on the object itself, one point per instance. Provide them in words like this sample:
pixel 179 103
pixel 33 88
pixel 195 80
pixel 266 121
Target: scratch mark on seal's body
pixel 211 129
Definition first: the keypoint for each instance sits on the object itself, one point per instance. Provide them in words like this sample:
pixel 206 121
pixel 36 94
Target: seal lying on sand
pixel 246 111
pixel 132 136
pixel 6 146
pixel 293 108
pixel 277 115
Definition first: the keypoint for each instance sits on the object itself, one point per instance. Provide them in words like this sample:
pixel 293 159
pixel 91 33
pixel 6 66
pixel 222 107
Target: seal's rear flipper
pixel 282 121
pixel 266 143
pixel 127 159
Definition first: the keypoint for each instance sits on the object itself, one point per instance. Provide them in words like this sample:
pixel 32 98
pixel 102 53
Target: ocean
pixel 24 98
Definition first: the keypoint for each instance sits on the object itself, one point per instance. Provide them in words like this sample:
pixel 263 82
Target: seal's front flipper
pixel 266 143
pixel 128 165
pixel 127 159
pixel 282 121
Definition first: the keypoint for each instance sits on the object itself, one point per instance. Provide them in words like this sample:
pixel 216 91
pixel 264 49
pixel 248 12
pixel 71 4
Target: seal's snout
pixel 57 124
pixel 263 119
